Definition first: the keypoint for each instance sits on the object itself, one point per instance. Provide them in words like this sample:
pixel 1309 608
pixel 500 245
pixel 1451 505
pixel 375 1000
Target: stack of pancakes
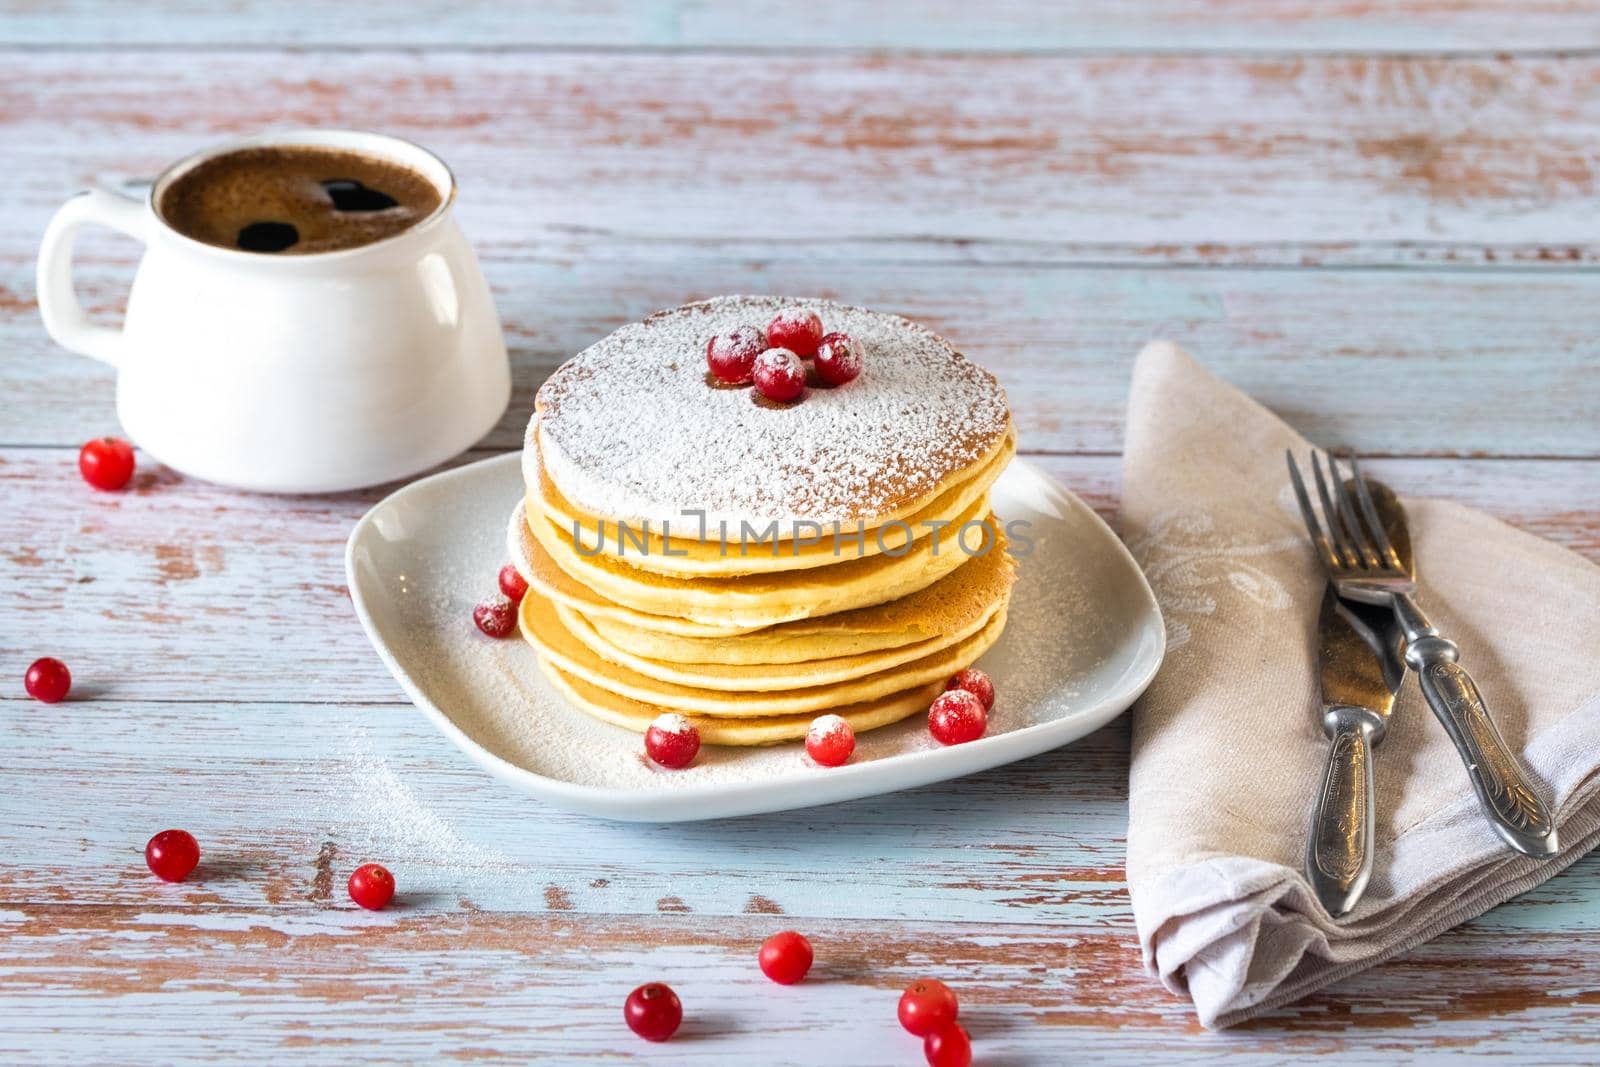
pixel 693 548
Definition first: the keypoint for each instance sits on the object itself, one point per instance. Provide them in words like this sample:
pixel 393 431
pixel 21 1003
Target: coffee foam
pixel 218 198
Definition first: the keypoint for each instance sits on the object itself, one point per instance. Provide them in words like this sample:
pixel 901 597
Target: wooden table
pixel 1379 219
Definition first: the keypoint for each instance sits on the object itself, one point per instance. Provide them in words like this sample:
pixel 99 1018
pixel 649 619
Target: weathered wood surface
pixel 774 26
pixel 519 927
pixel 1436 363
pixel 1397 252
pixel 182 582
pixel 579 156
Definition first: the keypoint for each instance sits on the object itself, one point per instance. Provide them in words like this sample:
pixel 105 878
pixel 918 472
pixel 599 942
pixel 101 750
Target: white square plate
pixel 1084 639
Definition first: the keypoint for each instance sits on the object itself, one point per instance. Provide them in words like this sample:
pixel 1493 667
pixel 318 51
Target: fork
pixel 1363 566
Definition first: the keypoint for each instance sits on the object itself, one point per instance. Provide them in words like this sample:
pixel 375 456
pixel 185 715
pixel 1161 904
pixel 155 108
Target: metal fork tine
pixel 1369 510
pixel 1347 511
pixel 1313 527
pixel 1347 556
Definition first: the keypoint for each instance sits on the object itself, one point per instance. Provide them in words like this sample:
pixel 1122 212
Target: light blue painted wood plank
pixel 848 156
pixel 275 793
pixel 195 592
pixel 1465 363
pixel 938 25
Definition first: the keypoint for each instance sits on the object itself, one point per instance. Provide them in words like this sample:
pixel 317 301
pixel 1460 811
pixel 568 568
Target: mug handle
pixel 63 315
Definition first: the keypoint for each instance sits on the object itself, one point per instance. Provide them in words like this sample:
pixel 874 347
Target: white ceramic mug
pixel 294 373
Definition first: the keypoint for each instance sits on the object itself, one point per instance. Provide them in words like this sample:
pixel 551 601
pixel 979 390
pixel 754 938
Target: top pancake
pixel 634 429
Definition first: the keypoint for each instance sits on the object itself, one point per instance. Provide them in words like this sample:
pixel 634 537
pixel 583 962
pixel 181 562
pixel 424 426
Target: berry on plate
pixel 47 680
pixel 957 717
pixel 172 855
pixel 830 740
pixel 512 583
pixel 785 958
pixel 372 886
pixel 839 359
pixel 927 1005
pixel 796 329
pixel 780 375
pixel 106 462
pixel 731 356
pixel 495 615
pixel 949 1046
pixel 653 1011
pixel 975 682
pixel 672 741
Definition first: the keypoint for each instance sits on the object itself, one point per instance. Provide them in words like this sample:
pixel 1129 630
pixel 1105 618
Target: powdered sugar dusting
pixel 824 725
pixel 669 722
pixel 631 429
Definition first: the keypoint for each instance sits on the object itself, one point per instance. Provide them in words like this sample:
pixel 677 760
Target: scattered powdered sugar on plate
pixel 633 428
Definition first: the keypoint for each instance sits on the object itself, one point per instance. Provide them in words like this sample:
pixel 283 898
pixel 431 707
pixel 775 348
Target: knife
pixel 1359 676
pixel 1505 795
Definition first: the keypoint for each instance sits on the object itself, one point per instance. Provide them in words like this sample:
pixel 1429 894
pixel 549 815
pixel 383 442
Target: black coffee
pixel 295 199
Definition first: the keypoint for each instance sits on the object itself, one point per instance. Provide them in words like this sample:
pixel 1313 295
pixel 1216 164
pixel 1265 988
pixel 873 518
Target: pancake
pixel 757 600
pixel 764 676
pixel 544 628
pixel 634 429
pixel 543 576
pixel 686 555
pixel 955 602
pixel 637 715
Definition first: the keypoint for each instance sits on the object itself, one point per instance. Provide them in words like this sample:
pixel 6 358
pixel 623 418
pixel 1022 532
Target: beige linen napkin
pixel 1227 743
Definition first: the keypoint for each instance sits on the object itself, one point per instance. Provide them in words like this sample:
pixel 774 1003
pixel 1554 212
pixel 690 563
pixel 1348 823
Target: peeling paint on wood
pixel 1396 252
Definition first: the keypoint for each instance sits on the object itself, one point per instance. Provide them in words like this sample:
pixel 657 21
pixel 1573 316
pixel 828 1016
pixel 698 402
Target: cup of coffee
pixel 307 316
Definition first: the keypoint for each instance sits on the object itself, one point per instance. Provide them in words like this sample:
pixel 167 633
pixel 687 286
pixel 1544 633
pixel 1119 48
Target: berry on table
pixel 830 740
pixel 839 359
pixel 372 886
pixel 47 680
pixel 172 855
pixel 512 583
pixel 957 717
pixel 731 356
pixel 927 1005
pixel 672 741
pixel 495 615
pixel 653 1011
pixel 785 958
pixel 975 682
pixel 948 1046
pixel 106 462
pixel 797 330
pixel 780 375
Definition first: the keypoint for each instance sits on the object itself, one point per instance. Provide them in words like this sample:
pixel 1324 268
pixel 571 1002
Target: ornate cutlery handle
pixel 1339 853
pixel 1504 791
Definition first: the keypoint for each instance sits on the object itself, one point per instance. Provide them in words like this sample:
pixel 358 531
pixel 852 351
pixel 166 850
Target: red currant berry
pixel 839 359
pixel 495 615
pixel 731 356
pixel 975 682
pixel 672 741
pixel 106 462
pixel 798 331
pixel 948 1047
pixel 172 855
pixel 47 680
pixel 780 375
pixel 653 1011
pixel 926 1006
pixel 830 740
pixel 372 886
pixel 512 583
pixel 786 957
pixel 956 717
